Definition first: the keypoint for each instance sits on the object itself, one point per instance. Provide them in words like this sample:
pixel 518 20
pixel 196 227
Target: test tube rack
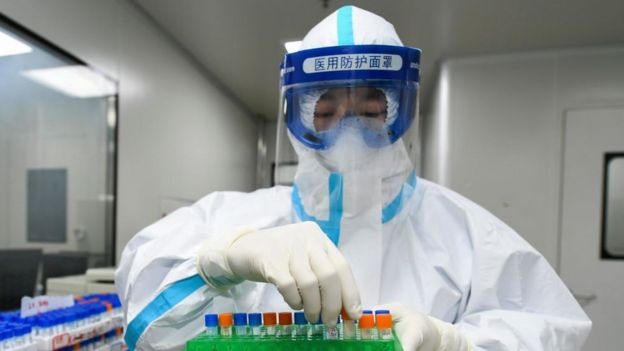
pixel 276 343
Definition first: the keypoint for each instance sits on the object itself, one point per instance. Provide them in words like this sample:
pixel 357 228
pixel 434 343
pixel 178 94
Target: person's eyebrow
pixel 373 93
pixel 328 96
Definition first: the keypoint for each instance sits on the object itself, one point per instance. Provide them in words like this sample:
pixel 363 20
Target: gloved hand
pixel 418 332
pixel 299 259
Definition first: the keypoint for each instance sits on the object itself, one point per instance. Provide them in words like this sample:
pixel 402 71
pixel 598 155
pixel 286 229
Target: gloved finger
pixel 413 329
pixel 329 284
pixel 410 340
pixel 349 290
pixel 285 283
pixel 307 284
pixel 409 335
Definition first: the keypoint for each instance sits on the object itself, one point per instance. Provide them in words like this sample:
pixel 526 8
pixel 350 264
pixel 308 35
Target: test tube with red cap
pixel 384 326
pixel 225 324
pixel 285 324
pixel 269 320
pixel 367 327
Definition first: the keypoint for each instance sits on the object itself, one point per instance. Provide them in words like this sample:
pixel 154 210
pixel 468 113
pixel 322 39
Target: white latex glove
pixel 299 259
pixel 418 332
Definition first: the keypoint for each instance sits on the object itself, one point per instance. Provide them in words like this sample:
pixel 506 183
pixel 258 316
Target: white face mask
pixel 351 154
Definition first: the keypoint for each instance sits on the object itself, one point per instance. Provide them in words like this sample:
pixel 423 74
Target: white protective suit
pixel 427 248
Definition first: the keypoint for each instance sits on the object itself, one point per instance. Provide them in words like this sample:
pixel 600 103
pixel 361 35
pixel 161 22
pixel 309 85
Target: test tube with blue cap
pixel 316 329
pixel 211 321
pixel 301 325
pixel 255 324
pixel 240 324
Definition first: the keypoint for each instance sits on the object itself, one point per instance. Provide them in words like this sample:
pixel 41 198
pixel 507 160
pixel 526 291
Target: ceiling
pixel 240 42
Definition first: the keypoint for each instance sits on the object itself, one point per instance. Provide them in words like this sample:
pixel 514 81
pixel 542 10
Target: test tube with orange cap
pixel 285 324
pixel 348 326
pixel 367 327
pixel 225 324
pixel 384 326
pixel 269 320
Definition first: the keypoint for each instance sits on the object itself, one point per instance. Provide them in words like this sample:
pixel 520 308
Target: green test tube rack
pixel 274 343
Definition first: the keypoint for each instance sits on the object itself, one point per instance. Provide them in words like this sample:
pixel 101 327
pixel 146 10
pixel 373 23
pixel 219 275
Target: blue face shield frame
pixel 389 69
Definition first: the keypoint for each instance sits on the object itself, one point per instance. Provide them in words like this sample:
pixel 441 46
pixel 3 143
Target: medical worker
pixel 357 229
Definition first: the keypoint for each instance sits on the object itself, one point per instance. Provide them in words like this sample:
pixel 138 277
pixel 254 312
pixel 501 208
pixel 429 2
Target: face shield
pixel 358 99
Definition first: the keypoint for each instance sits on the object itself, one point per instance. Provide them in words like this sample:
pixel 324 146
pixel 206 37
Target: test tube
pixel 301 325
pixel 269 320
pixel 384 326
pixel 240 324
pixel 331 333
pixel 255 323
pixel 316 329
pixel 211 321
pixel 367 327
pixel 348 326
pixel 225 324
pixel 285 324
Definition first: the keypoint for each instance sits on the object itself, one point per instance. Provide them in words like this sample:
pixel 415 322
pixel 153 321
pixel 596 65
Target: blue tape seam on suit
pixel 165 301
pixel 331 227
pixel 396 205
pixel 345 25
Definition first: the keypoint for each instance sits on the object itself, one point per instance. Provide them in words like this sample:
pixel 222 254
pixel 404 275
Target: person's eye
pixel 372 114
pixel 323 114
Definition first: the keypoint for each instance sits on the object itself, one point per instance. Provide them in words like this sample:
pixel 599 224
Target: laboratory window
pixel 58 126
pixel 613 206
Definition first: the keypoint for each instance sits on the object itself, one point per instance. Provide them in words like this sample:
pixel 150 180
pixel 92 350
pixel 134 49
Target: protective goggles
pixel 372 88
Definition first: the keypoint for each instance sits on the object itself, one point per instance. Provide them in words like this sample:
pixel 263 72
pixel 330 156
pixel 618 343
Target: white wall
pixel 495 133
pixel 4 188
pixel 179 135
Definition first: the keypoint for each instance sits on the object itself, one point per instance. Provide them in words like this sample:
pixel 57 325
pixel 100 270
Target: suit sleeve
pixel 163 297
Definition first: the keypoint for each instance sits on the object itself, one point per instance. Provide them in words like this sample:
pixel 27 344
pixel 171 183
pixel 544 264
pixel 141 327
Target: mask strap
pixel 331 226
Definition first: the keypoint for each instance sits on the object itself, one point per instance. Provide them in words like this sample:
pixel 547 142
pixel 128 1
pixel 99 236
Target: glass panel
pixel 57 144
pixel 613 207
